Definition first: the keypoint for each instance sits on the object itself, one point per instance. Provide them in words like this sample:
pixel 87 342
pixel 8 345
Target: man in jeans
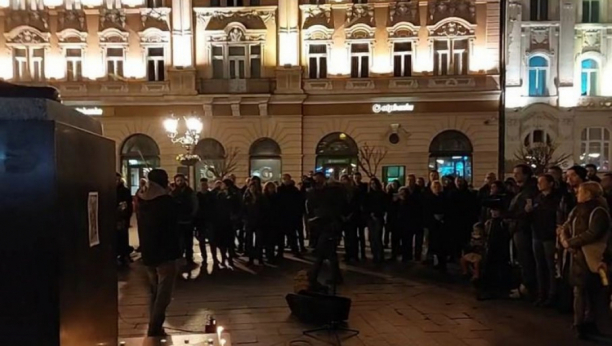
pixel 159 245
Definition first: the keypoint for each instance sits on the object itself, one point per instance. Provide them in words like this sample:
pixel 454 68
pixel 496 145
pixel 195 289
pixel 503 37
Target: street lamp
pixel 189 140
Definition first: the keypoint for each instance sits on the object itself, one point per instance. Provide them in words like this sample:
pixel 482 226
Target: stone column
pixel 288 70
pixel 568 94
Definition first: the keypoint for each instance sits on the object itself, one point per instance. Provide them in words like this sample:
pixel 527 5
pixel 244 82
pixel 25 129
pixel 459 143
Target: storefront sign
pixel 90 110
pixel 392 107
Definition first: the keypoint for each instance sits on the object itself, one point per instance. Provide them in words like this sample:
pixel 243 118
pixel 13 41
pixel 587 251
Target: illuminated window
pixel 402 59
pixel 450 57
pixel 115 58
pixel 595 147
pixel 360 60
pixel 539 10
pixel 317 61
pixel 74 64
pixel 155 64
pixel 588 80
pixel 590 11
pixel 538 73
pixel 155 3
pixel 537 138
pixel 28 64
pixel 236 61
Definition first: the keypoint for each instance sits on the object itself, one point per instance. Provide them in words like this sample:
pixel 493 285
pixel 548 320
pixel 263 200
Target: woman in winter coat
pixel 375 208
pixel 225 206
pixel 583 235
pixel 253 217
pixel 437 223
pixel 275 238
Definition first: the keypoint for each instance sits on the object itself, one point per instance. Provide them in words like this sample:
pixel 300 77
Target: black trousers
pixel 326 250
pixel 290 228
pixel 123 242
pixel 350 240
pixel 186 233
pixel 361 239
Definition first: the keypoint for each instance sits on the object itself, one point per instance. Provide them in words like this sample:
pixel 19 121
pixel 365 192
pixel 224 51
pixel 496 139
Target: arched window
pixel 538 73
pixel 139 155
pixel 337 155
pixel 537 137
pixel 265 159
pixel 450 153
pixel 212 154
pixel 589 77
pixel 595 147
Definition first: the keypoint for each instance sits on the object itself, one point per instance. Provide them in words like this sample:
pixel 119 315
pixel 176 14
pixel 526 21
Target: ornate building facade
pixel 289 86
pixel 558 75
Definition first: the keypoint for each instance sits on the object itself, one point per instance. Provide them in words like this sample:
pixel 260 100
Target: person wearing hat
pixel 159 245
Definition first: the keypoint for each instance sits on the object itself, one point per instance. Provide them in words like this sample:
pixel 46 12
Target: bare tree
pixel 221 168
pixel 370 158
pixel 540 156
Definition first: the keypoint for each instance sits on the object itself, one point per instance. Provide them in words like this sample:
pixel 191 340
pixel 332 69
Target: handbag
pixel 593 253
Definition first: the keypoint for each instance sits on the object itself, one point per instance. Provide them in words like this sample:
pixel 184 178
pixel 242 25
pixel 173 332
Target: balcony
pixel 390 84
pixel 234 86
pixel 88 88
pixel 595 102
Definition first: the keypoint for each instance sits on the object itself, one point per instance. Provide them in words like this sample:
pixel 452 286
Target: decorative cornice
pixel 266 13
pixel 72 36
pixel 153 36
pixel 27 35
pixel 452 27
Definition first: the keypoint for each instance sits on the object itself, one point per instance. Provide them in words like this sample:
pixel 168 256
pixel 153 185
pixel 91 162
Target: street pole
pixel 502 97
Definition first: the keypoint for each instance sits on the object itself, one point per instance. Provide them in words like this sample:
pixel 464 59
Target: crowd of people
pixel 544 237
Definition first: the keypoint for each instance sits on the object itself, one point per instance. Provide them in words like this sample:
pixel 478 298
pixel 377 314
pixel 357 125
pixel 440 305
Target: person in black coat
pixel 185 198
pixel 462 216
pixel 124 214
pixel 291 204
pixel 437 224
pixel 203 222
pixel 254 218
pixel 376 204
pixel 543 213
pixel 226 206
pixel 391 220
pixel 410 220
pixel 159 245
pixel 273 233
pixel 350 219
pixel 362 217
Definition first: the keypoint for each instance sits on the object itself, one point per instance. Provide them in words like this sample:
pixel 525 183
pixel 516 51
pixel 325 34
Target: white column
pixel 568 96
pixel 288 32
pixel 182 34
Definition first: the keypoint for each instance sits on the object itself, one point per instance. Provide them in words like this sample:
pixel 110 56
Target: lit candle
pixel 222 342
pixel 219 331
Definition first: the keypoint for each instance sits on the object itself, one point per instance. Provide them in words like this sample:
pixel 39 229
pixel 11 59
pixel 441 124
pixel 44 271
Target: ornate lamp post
pixel 188 141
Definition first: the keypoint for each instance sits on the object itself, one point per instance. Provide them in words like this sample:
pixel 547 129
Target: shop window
pixel 337 155
pixel 450 153
pixel 595 147
pixel 539 10
pixel 392 173
pixel 139 155
pixel 265 159
pixel 538 73
pixel 402 59
pixel 590 11
pixel 212 155
pixel 589 77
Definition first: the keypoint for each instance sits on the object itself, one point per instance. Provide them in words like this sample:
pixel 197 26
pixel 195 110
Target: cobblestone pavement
pixel 396 304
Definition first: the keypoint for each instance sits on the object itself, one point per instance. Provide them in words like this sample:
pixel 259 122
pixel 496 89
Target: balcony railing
pixel 234 86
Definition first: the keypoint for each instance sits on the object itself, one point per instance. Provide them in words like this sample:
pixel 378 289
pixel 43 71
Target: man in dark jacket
pixel 520 224
pixel 186 200
pixel 290 214
pixel 159 245
pixel 124 214
pixel 592 173
pixel 203 222
pixel 325 204
pixel 362 217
